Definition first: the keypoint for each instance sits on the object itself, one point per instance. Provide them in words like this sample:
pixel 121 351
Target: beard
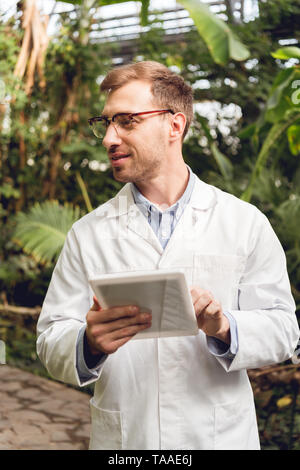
pixel 137 171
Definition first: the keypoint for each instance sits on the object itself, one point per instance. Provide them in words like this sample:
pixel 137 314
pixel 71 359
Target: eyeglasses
pixel 121 121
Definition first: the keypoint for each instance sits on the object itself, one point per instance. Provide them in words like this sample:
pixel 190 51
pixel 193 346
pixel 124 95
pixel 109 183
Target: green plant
pixel 42 231
pixel 281 116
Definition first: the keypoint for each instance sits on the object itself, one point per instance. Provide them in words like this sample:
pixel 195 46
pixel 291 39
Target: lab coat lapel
pixel 137 223
pixel 123 208
pixel 194 218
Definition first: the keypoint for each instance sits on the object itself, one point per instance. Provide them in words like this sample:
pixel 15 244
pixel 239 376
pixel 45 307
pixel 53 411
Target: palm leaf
pixel 42 231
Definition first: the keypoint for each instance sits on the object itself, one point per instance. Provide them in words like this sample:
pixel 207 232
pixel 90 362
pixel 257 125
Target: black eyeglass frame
pixel 107 120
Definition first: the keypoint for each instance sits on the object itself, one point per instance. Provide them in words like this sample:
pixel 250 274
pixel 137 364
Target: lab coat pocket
pixel 233 430
pixel 106 432
pixel 220 274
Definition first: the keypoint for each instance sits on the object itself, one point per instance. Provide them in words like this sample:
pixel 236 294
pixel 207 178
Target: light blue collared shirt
pixel 163 224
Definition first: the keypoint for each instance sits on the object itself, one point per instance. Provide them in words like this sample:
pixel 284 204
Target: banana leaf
pixel 222 43
pixel 219 38
pixel 272 138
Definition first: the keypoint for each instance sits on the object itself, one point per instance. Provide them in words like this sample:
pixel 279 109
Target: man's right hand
pixel 108 329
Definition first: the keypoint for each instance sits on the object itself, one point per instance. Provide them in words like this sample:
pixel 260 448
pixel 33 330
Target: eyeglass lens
pixel 121 122
pixel 99 128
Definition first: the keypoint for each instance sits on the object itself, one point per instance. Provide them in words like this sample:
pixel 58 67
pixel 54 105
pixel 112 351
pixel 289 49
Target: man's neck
pixel 166 188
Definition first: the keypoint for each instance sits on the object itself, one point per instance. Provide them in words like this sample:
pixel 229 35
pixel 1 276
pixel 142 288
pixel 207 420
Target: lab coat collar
pixel 203 197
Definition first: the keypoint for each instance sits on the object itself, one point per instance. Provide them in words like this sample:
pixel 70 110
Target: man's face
pixel 145 144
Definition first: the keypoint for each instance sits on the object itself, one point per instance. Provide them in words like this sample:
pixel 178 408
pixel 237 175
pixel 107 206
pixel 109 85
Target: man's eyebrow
pixel 116 114
pixel 124 112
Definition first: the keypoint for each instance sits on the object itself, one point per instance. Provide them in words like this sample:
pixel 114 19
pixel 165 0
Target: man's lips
pixel 117 156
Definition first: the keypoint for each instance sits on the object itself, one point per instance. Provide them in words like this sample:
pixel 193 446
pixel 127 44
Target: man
pixel 187 392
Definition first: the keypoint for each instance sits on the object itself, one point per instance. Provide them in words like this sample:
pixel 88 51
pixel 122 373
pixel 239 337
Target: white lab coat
pixel 173 393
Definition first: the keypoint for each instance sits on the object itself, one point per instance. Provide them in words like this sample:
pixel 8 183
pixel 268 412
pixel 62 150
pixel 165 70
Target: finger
pixel 109 327
pixel 214 309
pixel 115 345
pixel 119 342
pixel 196 292
pixel 128 331
pixel 95 307
pixel 202 303
pixel 115 313
pixel 96 301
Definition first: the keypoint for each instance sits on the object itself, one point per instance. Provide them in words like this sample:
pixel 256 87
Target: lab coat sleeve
pixel 266 322
pixel 85 373
pixel 63 314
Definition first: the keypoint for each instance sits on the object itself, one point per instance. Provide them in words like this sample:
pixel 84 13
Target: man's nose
pixel 111 137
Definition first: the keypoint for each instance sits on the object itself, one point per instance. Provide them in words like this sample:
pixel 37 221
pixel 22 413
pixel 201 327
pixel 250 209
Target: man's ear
pixel 178 122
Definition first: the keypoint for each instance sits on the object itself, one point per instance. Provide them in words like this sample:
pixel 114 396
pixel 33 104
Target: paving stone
pixel 49 406
pixel 7 436
pixel 51 385
pixel 10 386
pixel 33 394
pixel 21 428
pixel 6 446
pixel 68 394
pixel 66 413
pixel 68 446
pixel 32 439
pixel 41 414
pixel 83 431
pixel 5 372
pixel 4 423
pixel 60 436
pixel 8 403
pixel 12 373
pixel 51 427
pixel 62 419
pixel 28 415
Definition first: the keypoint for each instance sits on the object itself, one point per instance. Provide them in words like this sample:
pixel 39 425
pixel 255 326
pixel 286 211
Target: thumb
pixel 193 293
pixel 96 306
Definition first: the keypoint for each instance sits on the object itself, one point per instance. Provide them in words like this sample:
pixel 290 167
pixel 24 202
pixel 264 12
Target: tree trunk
pixel 22 163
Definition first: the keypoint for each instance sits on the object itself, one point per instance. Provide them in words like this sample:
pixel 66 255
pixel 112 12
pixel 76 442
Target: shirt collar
pixel 145 205
pixel 203 196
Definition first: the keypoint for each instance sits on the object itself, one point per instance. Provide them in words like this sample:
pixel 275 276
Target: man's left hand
pixel 210 317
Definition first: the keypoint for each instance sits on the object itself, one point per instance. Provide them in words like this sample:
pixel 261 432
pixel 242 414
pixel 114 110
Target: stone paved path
pixel 36 413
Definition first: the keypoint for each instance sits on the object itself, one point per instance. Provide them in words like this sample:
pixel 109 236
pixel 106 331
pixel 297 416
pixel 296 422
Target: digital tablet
pixel 163 292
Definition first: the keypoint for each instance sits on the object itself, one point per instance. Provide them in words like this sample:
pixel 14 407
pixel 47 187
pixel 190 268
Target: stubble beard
pixel 142 171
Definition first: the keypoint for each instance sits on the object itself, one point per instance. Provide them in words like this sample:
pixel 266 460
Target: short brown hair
pixel 169 89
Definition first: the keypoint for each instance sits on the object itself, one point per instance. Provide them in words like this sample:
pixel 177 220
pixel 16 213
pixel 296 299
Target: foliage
pixel 277 399
pixel 42 231
pixel 281 115
pixel 220 40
